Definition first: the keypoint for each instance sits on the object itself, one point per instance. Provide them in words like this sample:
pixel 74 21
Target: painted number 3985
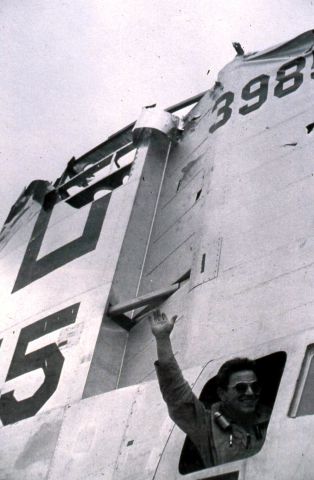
pixel 289 77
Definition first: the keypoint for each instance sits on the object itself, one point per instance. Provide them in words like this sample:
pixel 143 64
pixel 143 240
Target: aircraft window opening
pixel 303 399
pixel 269 371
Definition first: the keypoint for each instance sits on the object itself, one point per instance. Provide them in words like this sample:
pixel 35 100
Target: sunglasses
pixel 242 387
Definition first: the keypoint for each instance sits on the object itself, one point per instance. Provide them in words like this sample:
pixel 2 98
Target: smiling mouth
pixel 249 402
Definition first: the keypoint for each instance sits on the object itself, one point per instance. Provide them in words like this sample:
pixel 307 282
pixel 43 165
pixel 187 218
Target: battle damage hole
pixel 203 262
pixel 198 195
pixel 310 127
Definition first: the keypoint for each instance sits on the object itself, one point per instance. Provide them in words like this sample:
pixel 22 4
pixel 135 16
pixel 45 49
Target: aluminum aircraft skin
pixel 210 216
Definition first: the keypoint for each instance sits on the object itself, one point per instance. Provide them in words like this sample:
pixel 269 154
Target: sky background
pixel 75 71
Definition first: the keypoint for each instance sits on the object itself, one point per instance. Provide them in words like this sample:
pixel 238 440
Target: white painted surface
pixel 257 198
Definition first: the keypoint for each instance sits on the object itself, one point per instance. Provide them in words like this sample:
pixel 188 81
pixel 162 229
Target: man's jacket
pixel 214 443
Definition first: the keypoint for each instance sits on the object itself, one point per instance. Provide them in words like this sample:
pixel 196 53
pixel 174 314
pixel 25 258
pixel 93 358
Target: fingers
pixel 159 316
pixel 156 316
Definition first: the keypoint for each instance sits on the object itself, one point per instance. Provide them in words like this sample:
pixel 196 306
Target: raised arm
pixel 161 328
pixel 175 390
pixel 183 406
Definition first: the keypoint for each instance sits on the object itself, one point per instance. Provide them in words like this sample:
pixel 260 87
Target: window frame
pixel 261 363
pixel 301 381
pixel 294 345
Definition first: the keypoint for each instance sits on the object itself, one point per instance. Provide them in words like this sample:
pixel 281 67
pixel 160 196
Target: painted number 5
pixel 48 358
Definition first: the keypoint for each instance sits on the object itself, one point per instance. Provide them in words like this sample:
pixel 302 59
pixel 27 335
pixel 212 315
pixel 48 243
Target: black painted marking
pixel 224 112
pixel 224 476
pixel 261 93
pixel 287 82
pixel 284 78
pixel 48 358
pixel 32 269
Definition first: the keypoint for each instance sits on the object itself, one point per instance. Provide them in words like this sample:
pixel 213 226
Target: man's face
pixel 242 393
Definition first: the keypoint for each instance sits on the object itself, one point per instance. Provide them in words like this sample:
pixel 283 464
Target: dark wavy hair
pixel 232 366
